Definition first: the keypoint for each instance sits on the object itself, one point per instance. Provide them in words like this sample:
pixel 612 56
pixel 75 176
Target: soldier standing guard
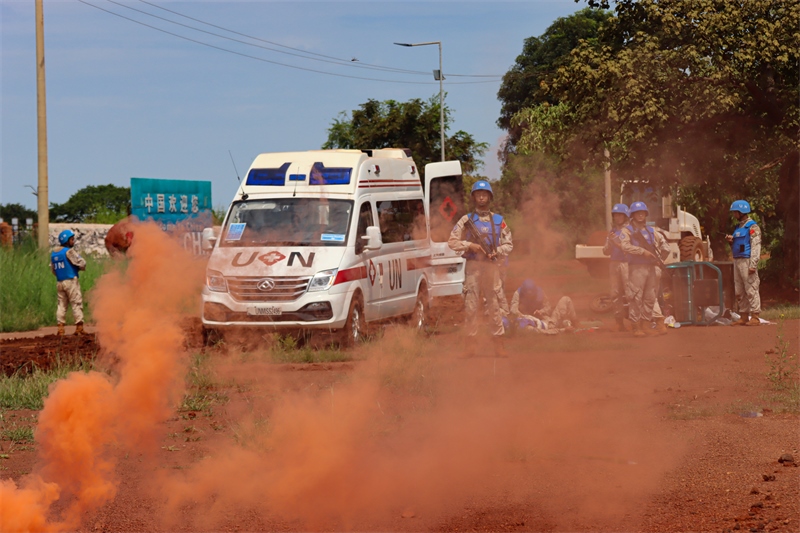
pixel 641 242
pixel 618 266
pixel 65 263
pixel 746 247
pixel 484 253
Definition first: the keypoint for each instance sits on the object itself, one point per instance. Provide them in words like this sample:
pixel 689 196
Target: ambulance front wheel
pixel 353 331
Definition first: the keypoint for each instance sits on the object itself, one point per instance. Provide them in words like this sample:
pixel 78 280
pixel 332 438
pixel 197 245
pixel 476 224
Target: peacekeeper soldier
pixel 530 305
pixel 641 242
pixel 65 263
pixel 618 266
pixel 746 247
pixel 484 253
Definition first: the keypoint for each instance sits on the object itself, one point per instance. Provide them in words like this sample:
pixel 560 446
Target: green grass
pixel 785 312
pixel 16 433
pixel 28 391
pixel 287 351
pixel 28 288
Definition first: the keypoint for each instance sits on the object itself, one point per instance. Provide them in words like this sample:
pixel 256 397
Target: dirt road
pixel 589 432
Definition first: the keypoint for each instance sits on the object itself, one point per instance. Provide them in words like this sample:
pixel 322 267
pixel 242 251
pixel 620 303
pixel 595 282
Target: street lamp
pixel 437 75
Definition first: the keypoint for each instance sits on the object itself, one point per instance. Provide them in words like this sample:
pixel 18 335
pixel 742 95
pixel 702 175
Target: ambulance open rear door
pixel 444 198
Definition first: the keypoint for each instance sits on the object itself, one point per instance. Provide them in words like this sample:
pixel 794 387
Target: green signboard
pixel 181 207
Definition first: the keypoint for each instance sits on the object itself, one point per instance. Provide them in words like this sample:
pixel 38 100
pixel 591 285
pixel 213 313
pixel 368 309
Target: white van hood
pixel 275 260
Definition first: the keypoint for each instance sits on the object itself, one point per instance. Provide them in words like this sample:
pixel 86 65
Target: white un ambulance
pixel 334 240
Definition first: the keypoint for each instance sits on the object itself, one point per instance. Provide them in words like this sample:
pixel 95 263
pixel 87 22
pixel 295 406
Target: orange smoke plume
pixel 88 418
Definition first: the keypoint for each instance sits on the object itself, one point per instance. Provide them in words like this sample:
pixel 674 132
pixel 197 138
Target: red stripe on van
pixel 350 274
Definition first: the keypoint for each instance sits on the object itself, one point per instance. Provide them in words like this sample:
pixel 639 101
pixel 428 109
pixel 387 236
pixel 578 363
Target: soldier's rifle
pixel 639 240
pixel 474 235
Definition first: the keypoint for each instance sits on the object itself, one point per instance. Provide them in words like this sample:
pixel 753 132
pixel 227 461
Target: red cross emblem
pixel 448 208
pixel 371 272
pixel 270 258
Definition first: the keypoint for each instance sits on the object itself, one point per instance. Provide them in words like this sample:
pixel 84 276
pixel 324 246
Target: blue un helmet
pixel 65 236
pixel 482 185
pixel 620 208
pixel 636 207
pixel 740 205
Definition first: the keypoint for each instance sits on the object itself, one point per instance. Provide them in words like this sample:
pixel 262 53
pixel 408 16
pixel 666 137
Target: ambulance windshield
pixel 288 222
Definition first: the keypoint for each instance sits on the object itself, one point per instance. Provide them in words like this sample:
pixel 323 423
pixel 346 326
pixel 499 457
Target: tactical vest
pixel 650 236
pixel 616 252
pixel 489 233
pixel 530 301
pixel 61 265
pixel 741 240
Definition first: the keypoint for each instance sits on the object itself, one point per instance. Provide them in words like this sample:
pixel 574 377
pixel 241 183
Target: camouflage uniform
pixel 69 290
pixel 643 279
pixel 748 300
pixel 562 316
pixel 482 275
pixel 618 274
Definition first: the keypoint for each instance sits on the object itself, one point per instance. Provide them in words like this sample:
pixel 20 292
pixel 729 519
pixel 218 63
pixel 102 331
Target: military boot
pixel 754 320
pixel 742 320
pixel 637 329
pixel 79 329
pixel 60 331
pixel 661 328
pixel 649 329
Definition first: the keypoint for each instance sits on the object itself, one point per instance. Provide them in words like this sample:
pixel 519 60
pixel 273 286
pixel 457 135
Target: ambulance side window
pixel 364 221
pixel 402 220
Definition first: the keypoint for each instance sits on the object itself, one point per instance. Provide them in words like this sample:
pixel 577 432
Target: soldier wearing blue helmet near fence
pixel 618 266
pixel 65 263
pixel 746 248
pixel 485 254
pixel 646 249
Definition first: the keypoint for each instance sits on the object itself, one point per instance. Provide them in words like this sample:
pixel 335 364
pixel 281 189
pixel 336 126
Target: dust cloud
pixel 409 430
pixel 413 430
pixel 89 419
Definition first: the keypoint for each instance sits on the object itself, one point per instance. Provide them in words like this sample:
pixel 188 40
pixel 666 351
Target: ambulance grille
pixel 287 288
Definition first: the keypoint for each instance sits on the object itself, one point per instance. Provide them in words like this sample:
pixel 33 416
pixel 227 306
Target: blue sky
pixel 125 100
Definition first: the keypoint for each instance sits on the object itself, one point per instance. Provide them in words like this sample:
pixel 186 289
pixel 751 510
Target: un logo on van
pixel 266 284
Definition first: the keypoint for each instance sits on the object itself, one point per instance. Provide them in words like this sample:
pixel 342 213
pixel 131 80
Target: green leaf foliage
pixel 414 125
pixel 101 204
pixel 698 93
pixel 525 85
pixel 18 211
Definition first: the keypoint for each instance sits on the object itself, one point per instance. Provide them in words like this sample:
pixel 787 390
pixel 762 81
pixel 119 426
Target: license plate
pixel 264 311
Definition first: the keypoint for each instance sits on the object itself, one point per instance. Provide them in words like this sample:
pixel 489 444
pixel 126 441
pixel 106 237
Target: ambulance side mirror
pixel 372 240
pixel 208 239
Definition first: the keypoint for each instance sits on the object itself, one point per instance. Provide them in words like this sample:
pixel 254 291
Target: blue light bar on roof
pixel 320 175
pixel 267 176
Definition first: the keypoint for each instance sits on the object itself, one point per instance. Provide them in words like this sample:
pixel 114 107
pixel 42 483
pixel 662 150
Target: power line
pixel 335 60
pixel 386 69
pixel 348 62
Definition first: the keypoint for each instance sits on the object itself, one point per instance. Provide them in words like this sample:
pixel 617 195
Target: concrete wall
pixel 89 238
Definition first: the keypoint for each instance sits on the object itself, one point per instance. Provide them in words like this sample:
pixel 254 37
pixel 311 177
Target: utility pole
pixel 41 115
pixel 608 187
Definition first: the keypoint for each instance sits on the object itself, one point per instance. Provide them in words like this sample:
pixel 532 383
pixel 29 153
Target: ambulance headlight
pixel 322 281
pixel 216 281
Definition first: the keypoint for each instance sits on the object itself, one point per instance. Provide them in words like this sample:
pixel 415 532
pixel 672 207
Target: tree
pixel 18 211
pixel 414 125
pixel 541 56
pixel 104 204
pixel 702 93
